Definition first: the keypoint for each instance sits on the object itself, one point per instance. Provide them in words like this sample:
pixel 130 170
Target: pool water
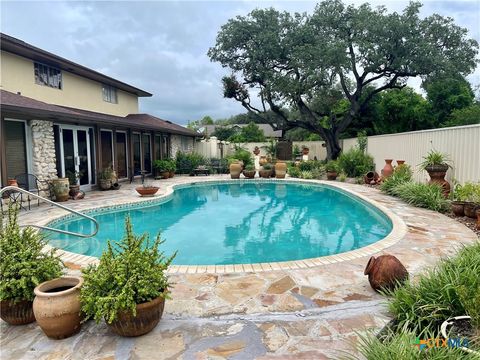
pixel 243 222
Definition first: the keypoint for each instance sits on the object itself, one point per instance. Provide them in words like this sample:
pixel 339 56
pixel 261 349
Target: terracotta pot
pixel 371 176
pixel 235 170
pixel 147 191
pixel 74 190
pixel 17 313
pixel 469 209
pixel 477 212
pixel 437 176
pixel 165 174
pixel 305 151
pixel 388 168
pixel 458 208
pixel 264 173
pixel 385 271
pixel 57 306
pixel 61 188
pixel 12 182
pixel 332 175
pixel 249 174
pixel 400 162
pixel 148 316
pixel 105 184
pixel 172 174
pixel 256 151
pixel 280 170
pixel 263 160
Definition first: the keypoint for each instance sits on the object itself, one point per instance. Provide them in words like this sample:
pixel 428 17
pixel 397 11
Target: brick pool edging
pixel 399 229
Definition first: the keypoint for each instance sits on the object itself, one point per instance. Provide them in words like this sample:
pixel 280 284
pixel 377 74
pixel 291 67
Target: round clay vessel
pixel 469 210
pixel 332 175
pixel 385 271
pixel 17 313
pixel 148 316
pixel 264 173
pixel 388 168
pixel 249 174
pixel 235 170
pixel 147 191
pixel 370 177
pixel 256 151
pixel 263 160
pixel 458 208
pixel 437 176
pixel 61 188
pixel 280 170
pixel 400 162
pixel 57 306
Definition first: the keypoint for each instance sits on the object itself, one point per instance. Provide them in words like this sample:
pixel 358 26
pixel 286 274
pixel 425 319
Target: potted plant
pixel 265 171
pixel 461 329
pixel 105 178
pixel 60 189
pixel 24 265
pixel 436 164
pixel 271 150
pixel 147 189
pixel 162 168
pixel 249 171
pixel 280 169
pixel 469 195
pixel 73 177
pixel 236 167
pixel 458 200
pixel 129 286
pixel 332 169
pixel 172 167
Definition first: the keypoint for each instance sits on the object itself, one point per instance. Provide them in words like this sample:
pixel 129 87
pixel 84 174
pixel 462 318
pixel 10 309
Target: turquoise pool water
pixel 242 222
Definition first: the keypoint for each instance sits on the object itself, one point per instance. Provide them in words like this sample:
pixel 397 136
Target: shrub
pixel 318 173
pixel 306 174
pixel 332 166
pixel 161 165
pixel 309 165
pixel 130 272
pixel 293 171
pixel 468 192
pixel 23 263
pixel 401 175
pixel 242 155
pixel 434 158
pixel 422 195
pixel 355 163
pixel 186 163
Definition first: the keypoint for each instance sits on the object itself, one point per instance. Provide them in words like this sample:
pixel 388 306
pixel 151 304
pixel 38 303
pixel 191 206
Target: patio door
pixel 76 154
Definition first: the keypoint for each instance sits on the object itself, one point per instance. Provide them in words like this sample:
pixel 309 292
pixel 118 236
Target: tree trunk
pixel 332 144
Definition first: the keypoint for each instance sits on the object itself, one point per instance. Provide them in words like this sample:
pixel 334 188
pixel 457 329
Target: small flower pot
pixel 458 208
pixel 265 173
pixel 74 190
pixel 12 182
pixel 17 313
pixel 388 168
pixel 105 184
pixel 469 209
pixel 57 306
pixel 332 175
pixel 165 174
pixel 147 317
pixel 147 191
pixel 249 174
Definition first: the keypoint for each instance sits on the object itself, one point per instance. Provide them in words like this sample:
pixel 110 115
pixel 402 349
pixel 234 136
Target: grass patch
pixel 422 195
pixel 401 175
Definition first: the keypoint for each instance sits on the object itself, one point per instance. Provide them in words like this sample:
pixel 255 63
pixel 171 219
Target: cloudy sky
pixel 161 46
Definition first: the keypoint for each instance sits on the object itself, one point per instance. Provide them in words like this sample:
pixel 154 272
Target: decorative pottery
pixel 458 208
pixel 280 170
pixel 437 176
pixel 171 174
pixel 147 191
pixel 105 184
pixel 371 177
pixel 305 151
pixel 165 174
pixel 116 186
pixel 477 212
pixel 256 151
pixel 469 209
pixel 249 174
pixel 385 271
pixel 74 190
pixel 400 162
pixel 388 168
pixel 264 173
pixel 263 160
pixel 332 175
pixel 61 188
pixel 57 306
pixel 148 316
pixel 12 182
pixel 17 313
pixel 235 170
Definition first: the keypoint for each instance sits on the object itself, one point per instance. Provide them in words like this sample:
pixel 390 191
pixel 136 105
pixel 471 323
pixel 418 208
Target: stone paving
pixel 303 313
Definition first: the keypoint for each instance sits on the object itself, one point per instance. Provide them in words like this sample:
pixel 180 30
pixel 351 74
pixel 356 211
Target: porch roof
pixel 16 104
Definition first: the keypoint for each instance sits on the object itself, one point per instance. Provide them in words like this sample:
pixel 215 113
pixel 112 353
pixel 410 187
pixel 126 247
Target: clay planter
pixel 388 168
pixel 280 170
pixel 477 212
pixel 400 162
pixel 57 307
pixel 437 176
pixel 458 208
pixel 61 188
pixel 249 174
pixel 264 173
pixel 305 151
pixel 165 174
pixel 147 191
pixel 469 209
pixel 371 178
pixel 12 182
pixel 171 174
pixel 17 313
pixel 332 175
pixel 263 160
pixel 74 190
pixel 105 184
pixel 385 271
pixel 235 170
pixel 148 316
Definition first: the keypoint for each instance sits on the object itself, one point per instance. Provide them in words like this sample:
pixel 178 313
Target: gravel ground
pixel 468 222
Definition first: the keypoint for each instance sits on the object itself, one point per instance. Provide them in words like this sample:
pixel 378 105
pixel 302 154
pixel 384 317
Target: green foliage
pixel 465 116
pixel 434 158
pixel 223 132
pixel 332 166
pixel 402 174
pixel 309 165
pixel 187 162
pixel 422 195
pixel 296 152
pixel 362 141
pixel 73 176
pixel 243 155
pixel 250 167
pixel 23 263
pixel 451 288
pixel 306 174
pixel 165 165
pixel 468 192
pixel 355 162
pixel 105 173
pixel 197 124
pixel 342 177
pixel 271 149
pixel 131 271
pixel 267 166
pixel 249 133
pixel 294 171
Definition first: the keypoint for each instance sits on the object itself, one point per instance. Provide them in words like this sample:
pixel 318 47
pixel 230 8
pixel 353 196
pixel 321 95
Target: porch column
pixel 43 150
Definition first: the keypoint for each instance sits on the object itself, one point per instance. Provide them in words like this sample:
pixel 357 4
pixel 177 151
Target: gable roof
pixel 16 46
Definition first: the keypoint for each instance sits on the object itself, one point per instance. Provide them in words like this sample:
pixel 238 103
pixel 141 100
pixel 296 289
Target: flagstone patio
pixel 310 312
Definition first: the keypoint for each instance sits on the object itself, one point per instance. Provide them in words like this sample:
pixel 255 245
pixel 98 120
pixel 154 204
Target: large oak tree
pixel 319 71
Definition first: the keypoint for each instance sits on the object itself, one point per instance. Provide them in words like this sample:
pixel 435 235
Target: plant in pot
pixel 266 171
pixel 105 178
pixel 162 168
pixel 172 167
pixel 332 169
pixel 129 286
pixel 73 177
pixel 271 150
pixel 469 195
pixel 24 264
pixel 147 189
pixel 436 164
pixel 249 171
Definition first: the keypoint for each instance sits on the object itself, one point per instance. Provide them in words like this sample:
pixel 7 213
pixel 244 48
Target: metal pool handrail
pixel 20 190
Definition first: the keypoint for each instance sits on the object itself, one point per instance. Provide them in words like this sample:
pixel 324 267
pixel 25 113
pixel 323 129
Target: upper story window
pixel 109 94
pixel 48 76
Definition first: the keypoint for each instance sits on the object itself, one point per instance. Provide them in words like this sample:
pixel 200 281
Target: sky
pixel 161 46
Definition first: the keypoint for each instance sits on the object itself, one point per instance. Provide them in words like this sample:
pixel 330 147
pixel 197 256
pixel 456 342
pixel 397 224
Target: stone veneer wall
pixel 176 144
pixel 43 150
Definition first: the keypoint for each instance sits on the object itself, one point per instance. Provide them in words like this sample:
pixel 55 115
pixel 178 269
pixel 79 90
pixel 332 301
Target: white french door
pixel 75 154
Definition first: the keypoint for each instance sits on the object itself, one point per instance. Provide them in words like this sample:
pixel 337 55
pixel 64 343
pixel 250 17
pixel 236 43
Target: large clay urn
pixel 280 170
pixel 61 188
pixel 388 168
pixel 385 271
pixel 437 176
pixel 458 208
pixel 235 170
pixel 57 306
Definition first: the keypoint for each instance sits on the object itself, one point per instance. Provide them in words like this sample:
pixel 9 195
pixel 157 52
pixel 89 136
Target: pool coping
pixel 399 230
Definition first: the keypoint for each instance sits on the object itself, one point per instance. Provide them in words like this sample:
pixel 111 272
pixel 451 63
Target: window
pixel 106 148
pixel 185 143
pixel 109 94
pixel 48 76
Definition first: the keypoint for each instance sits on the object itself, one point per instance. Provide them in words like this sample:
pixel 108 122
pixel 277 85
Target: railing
pixel 12 189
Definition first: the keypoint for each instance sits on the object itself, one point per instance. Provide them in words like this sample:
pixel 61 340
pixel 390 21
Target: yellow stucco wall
pixel 17 75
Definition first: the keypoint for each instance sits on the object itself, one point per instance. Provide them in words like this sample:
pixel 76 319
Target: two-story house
pixel 58 116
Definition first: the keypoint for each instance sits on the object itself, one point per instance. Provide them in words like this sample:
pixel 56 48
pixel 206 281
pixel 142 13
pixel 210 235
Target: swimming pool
pixel 240 222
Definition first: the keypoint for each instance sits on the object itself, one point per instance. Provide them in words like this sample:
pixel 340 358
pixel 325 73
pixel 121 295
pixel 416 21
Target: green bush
pixel 130 272
pixel 309 165
pixel 468 192
pixel 422 195
pixel 401 175
pixel 434 158
pixel 165 165
pixel 186 162
pixel 332 166
pixel 242 155
pixel 293 171
pixel 23 263
pixel 306 174
pixel 355 162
